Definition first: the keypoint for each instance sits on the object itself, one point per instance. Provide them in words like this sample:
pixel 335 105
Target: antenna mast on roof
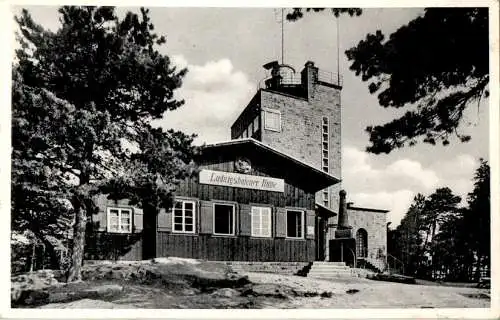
pixel 282 21
pixel 338 49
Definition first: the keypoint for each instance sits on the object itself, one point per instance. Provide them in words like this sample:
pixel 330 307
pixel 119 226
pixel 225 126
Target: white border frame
pixel 108 209
pixel 184 216
pixel 302 220
pixel 221 203
pixel 270 222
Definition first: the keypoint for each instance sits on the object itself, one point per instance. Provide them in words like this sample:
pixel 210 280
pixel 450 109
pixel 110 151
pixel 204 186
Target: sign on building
pixel 237 180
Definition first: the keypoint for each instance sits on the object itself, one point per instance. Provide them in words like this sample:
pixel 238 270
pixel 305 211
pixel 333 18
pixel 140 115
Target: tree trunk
pixel 33 257
pixel 75 270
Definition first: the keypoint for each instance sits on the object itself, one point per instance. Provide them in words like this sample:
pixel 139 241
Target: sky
pixel 224 50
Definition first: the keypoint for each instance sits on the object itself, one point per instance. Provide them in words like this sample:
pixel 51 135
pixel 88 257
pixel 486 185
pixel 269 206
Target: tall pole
pixel 338 50
pixel 282 36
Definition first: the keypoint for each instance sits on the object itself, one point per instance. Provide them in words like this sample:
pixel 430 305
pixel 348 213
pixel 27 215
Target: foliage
pixel 298 13
pixel 405 242
pixel 150 177
pixel 439 240
pixel 436 65
pixel 93 88
pixel 477 217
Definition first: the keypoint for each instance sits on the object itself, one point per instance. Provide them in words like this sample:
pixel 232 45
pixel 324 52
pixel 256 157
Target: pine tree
pixel 96 82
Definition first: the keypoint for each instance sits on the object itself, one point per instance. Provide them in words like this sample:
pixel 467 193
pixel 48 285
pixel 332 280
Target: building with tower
pixel 272 193
pixel 301 114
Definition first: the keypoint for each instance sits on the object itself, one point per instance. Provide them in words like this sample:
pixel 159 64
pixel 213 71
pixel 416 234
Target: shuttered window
pixel 183 216
pixel 295 224
pixel 261 222
pixel 119 220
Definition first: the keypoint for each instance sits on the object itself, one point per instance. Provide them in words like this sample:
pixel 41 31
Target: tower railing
pixel 296 79
pixel 330 77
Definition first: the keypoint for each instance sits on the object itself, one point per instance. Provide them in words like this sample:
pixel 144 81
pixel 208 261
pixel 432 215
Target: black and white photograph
pixel 297 157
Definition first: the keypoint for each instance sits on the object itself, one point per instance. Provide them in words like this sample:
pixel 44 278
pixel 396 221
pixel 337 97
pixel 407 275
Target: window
pixel 272 120
pixel 223 219
pixel 325 148
pixel 326 196
pixel 183 216
pixel 261 222
pixel 119 220
pixel 295 224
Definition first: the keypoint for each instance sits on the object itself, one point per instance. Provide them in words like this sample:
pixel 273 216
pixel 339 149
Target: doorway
pixel 320 239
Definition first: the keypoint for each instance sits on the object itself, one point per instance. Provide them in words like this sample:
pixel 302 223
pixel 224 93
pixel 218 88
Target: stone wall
pixel 374 222
pixel 301 129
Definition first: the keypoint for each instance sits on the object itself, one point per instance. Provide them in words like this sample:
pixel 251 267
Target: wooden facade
pixel 201 241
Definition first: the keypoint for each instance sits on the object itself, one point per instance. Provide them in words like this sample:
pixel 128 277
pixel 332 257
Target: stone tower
pixel 300 115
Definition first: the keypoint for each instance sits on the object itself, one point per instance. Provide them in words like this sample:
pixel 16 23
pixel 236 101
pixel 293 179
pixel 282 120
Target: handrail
pixel 396 260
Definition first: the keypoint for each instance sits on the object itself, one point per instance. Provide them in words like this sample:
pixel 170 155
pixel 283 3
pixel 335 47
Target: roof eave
pixel 328 177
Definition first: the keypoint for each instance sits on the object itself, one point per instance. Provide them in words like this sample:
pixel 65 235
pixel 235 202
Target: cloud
pixel 214 95
pixel 409 173
pixel 392 186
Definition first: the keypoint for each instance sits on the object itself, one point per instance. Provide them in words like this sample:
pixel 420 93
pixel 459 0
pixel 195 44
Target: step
pixel 330 267
pixel 329 275
pixel 330 271
pixel 330 263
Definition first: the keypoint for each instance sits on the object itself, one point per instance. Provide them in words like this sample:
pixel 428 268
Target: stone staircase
pixel 321 269
pixel 376 265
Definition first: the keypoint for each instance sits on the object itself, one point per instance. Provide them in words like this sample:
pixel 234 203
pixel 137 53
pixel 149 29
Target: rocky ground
pixel 185 283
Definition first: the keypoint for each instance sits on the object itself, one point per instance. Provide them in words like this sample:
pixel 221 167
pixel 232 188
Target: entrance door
pixel 320 238
pixel 362 243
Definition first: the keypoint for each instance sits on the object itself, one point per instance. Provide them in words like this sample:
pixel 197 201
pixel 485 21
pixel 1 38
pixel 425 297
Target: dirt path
pixel 375 294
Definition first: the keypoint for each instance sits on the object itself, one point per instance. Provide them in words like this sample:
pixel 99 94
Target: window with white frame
pixel 261 222
pixel 120 220
pixel 272 120
pixel 183 216
pixel 295 224
pixel 224 219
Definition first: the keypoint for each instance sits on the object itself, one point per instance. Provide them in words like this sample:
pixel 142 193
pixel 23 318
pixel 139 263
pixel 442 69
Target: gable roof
pixel 315 178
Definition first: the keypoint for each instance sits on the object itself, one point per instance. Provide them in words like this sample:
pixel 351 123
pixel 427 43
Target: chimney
pixel 309 76
pixel 343 227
